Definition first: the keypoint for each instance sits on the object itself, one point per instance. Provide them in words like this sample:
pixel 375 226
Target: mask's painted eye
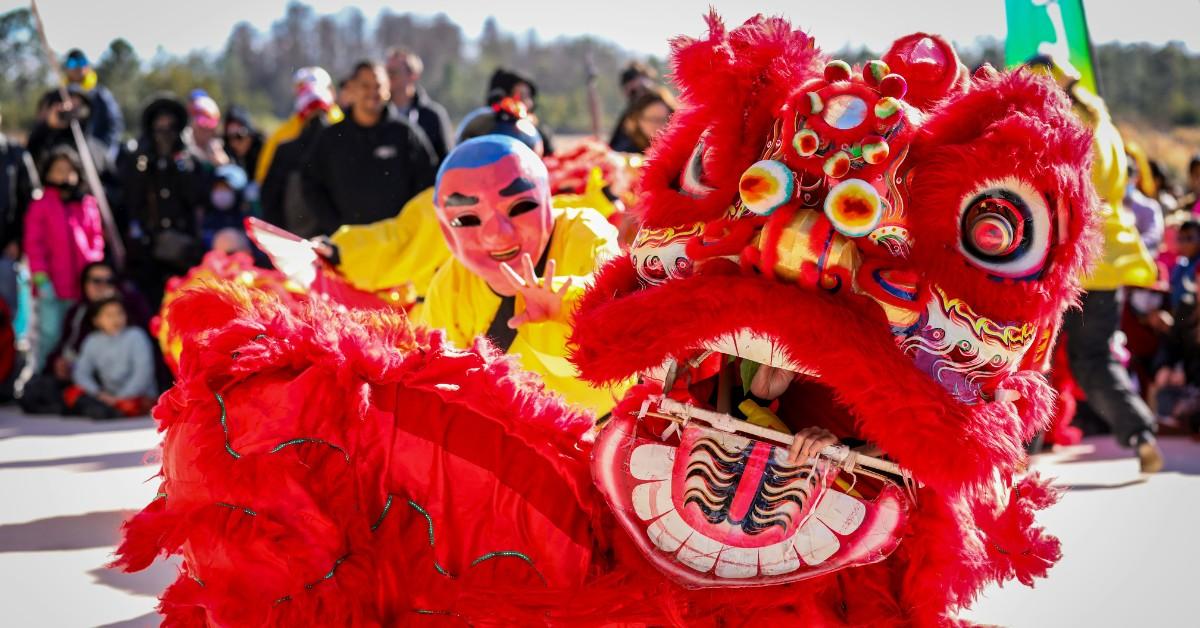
pixel 691 180
pixel 522 207
pixel 654 268
pixel 1005 229
pixel 465 220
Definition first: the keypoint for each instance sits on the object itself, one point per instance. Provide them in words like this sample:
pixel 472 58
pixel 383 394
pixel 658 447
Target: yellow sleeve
pixel 458 302
pixel 1125 261
pixel 437 312
pixel 582 241
pixel 288 131
pixel 593 196
pixel 406 248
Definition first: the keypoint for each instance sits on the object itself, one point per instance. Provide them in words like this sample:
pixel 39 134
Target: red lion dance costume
pixel 900 240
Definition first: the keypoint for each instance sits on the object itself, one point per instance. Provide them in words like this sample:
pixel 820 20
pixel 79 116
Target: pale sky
pixel 642 26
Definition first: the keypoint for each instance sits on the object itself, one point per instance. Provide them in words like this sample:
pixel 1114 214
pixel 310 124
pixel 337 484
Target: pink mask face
pixel 494 214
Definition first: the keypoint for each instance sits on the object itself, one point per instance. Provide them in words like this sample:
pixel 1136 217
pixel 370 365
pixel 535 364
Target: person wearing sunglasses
pixel 97 281
pixel 243 142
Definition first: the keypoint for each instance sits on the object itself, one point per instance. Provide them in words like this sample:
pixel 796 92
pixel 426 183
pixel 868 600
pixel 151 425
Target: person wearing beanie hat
pixel 506 83
pixel 105 123
pixel 313 98
pixel 203 140
pixel 165 191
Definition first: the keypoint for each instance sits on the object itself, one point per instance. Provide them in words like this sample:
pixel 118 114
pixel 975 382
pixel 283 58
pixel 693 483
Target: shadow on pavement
pixel 1182 454
pixel 94 529
pixel 14 424
pixel 1089 486
pixel 98 462
pixel 149 619
pixel 149 582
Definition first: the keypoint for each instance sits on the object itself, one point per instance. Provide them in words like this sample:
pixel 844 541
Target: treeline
pixel 254 69
pixel 1146 84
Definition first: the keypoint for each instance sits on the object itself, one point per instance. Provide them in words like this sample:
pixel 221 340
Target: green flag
pixel 1054 28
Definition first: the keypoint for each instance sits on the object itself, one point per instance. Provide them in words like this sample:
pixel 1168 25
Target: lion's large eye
pixel 1005 229
pixel 691 180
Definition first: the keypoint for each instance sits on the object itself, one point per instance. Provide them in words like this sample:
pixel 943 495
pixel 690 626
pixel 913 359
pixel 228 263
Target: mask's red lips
pixel 506 254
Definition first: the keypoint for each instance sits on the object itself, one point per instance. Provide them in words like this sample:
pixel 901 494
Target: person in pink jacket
pixel 63 233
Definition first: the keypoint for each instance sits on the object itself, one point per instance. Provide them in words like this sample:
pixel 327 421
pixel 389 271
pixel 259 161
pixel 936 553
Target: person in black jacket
pixel 366 167
pixel 18 180
pixel 105 124
pixel 404 71
pixel 282 195
pixel 165 192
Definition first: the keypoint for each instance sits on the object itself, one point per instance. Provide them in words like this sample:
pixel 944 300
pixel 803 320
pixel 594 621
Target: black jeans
pixel 1104 381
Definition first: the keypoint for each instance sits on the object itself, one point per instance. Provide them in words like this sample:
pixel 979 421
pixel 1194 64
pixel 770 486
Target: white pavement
pixel 1131 544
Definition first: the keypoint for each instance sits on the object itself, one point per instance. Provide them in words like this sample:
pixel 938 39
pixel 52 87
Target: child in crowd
pixel 1178 374
pixel 63 234
pixel 114 375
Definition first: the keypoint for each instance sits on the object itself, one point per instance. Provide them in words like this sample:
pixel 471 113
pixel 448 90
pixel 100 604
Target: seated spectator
pixel 114 375
pixel 647 115
pixel 227 204
pixel 63 233
pixel 231 240
pixel 98 282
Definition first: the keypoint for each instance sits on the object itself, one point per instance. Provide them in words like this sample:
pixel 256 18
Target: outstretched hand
pixel 542 301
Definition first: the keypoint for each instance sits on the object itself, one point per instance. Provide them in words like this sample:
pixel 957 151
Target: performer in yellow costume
pixel 408 248
pixel 519 264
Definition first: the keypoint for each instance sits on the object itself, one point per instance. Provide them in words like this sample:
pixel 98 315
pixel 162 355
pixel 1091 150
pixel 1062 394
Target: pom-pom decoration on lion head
pixel 908 260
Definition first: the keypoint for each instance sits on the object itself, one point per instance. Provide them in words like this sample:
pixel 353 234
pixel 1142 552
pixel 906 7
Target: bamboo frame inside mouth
pixel 680 414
